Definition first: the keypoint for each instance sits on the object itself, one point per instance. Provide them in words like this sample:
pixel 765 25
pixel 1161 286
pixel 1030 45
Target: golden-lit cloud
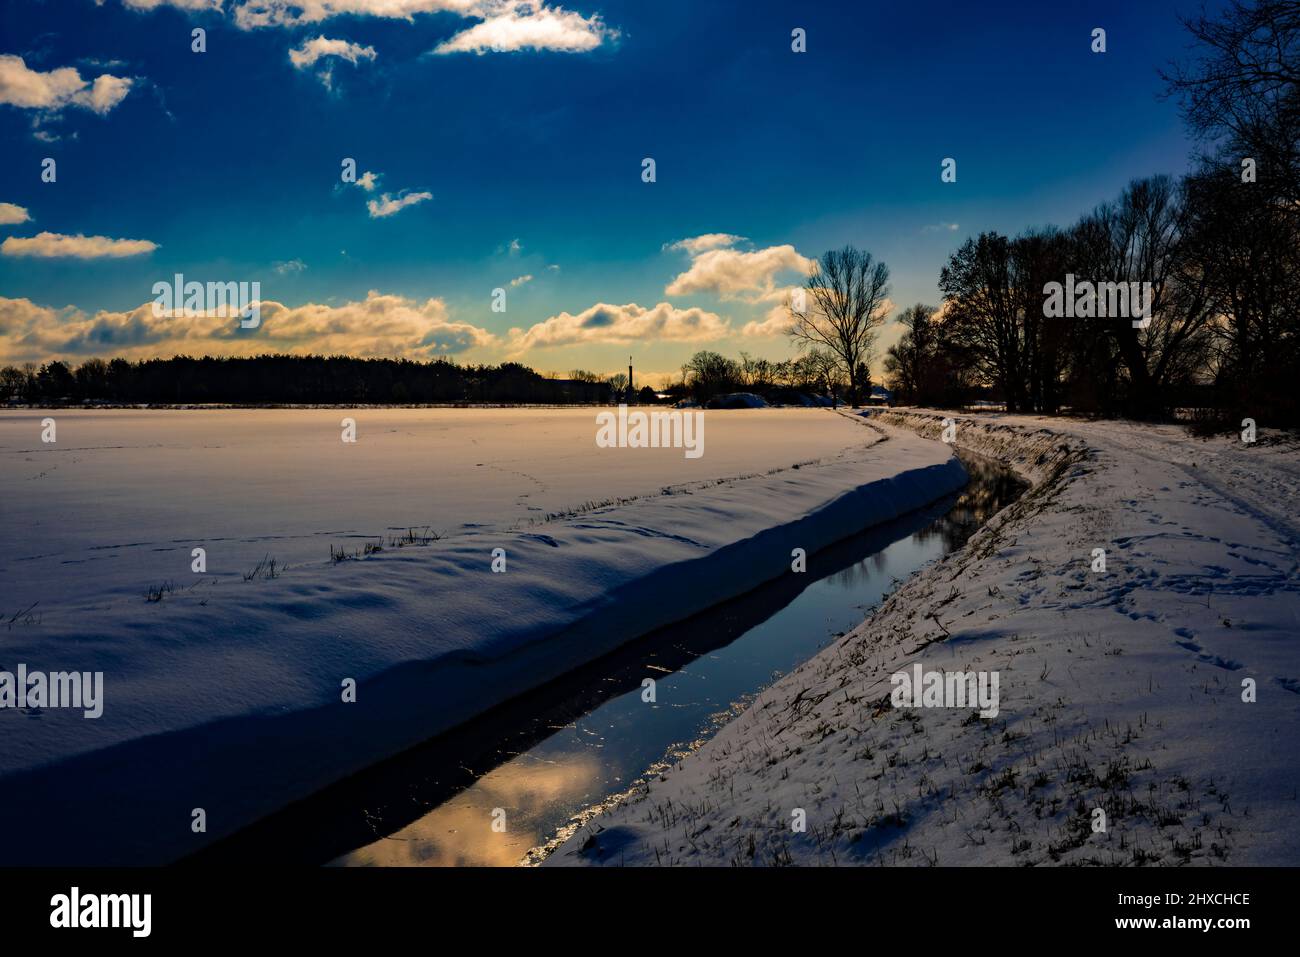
pixel 11 214
pixel 703 243
pixel 379 325
pixel 776 323
pixel 54 90
pixel 61 246
pixel 605 323
pixel 735 274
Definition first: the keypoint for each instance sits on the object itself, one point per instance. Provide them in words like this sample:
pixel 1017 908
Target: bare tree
pixel 825 371
pixel 907 360
pixel 709 374
pixel 1141 238
pixel 618 386
pixel 844 304
pixel 1241 91
pixel 1247 246
pixel 12 381
pixel 978 286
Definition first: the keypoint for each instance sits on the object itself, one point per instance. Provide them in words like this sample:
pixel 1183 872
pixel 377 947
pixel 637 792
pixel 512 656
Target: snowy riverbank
pixel 225 694
pixel 1121 690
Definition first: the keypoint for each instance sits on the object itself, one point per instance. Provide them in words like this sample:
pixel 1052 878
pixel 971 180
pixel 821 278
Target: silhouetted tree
pixel 846 300
pixel 1247 247
pixel 1140 239
pixel 1240 88
pixel 709 374
pixel 981 308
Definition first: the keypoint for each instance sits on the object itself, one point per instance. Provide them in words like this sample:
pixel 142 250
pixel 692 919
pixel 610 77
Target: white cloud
pixel 55 90
pixel 699 244
pixel 505 25
pixel 105 93
pixel 312 50
pixel 379 325
pixel 511 25
pixel 291 267
pixel 732 274
pixel 102 64
pixel 520 280
pixel 191 5
pixel 368 181
pixel 940 228
pixel 604 323
pixel 58 245
pixel 306 56
pixel 290 13
pixel 387 205
pixel 11 214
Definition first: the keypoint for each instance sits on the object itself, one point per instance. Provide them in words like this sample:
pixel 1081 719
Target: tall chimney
pixel 630 393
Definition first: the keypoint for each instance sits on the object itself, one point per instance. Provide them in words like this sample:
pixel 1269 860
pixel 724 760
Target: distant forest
pixel 286 379
pixel 343 380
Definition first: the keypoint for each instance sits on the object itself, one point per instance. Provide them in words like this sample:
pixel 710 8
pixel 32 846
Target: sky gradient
pixel 506 140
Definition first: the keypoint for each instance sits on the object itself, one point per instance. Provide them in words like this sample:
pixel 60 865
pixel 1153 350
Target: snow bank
pixel 228 698
pixel 1124 688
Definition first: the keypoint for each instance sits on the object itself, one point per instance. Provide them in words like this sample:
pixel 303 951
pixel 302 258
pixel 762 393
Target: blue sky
pixel 228 162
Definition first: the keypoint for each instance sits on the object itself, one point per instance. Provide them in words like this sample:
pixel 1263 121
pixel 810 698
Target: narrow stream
pixel 550 754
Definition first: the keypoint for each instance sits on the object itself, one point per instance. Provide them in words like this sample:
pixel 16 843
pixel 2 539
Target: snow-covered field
pixel 123 495
pixel 225 692
pixel 1123 690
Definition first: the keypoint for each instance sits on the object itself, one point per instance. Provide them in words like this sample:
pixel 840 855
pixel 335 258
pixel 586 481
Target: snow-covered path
pixel 1122 690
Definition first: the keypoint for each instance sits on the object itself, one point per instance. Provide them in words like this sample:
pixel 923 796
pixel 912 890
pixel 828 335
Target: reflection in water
pixel 547 755
pixel 991 489
pixel 459 832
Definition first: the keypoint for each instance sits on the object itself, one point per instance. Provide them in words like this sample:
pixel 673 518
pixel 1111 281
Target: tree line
pixel 1216 252
pixel 288 379
pixel 708 374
